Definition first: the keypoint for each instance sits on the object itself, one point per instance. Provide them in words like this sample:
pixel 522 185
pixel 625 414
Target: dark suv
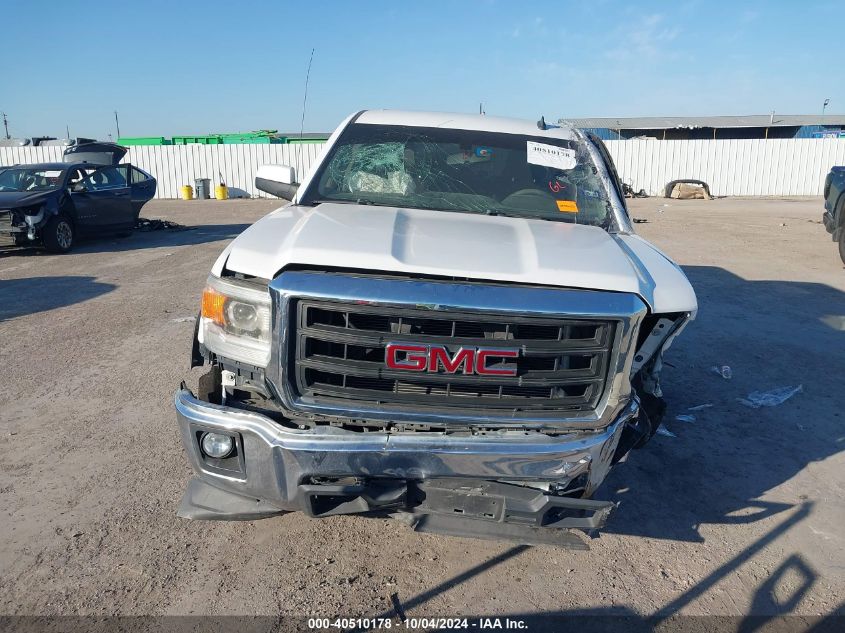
pixel 834 207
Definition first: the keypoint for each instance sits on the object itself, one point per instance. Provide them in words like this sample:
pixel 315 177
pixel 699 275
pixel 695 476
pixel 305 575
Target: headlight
pixel 236 320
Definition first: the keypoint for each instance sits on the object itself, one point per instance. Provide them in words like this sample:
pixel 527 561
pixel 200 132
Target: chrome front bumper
pixel 278 464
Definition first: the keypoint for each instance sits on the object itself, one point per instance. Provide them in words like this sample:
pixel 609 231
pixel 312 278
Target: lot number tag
pixel 551 156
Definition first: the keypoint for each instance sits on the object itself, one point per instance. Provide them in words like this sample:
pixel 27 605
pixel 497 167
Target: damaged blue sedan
pixel 90 193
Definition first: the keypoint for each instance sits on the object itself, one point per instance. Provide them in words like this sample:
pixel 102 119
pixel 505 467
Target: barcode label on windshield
pixel 550 156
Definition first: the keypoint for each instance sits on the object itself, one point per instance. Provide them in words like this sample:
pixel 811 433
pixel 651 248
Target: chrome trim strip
pixel 626 309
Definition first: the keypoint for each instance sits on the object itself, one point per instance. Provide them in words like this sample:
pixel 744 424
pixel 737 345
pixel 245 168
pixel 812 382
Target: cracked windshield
pixel 465 171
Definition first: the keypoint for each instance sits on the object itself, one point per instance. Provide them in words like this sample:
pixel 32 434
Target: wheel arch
pixel 65 206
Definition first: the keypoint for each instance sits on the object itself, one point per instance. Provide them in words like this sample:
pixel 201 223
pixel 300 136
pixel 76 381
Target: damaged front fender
pixel 646 370
pixel 35 220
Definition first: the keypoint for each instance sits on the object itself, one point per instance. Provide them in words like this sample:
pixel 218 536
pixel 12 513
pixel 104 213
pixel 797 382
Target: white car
pixel 452 323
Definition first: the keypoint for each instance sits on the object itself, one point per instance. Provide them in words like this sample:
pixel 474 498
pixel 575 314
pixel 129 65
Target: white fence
pixel 732 167
pixel 752 167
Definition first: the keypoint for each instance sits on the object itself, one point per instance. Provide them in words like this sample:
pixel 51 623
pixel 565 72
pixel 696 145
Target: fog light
pixel 216 445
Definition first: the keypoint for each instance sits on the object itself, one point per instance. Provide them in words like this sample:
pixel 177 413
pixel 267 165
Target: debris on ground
pixel 640 220
pixel 628 191
pixel 685 418
pixel 662 430
pixel 724 371
pixel 189 319
pixel 145 224
pixel 700 407
pixel 773 398
pixel 687 189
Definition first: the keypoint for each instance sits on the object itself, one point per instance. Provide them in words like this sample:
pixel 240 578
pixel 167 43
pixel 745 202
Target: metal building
pixel 716 127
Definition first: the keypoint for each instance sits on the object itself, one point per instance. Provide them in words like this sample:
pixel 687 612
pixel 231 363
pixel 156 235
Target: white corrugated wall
pixel 732 167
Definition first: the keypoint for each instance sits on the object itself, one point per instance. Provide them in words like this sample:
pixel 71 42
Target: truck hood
pixel 462 245
pixel 15 199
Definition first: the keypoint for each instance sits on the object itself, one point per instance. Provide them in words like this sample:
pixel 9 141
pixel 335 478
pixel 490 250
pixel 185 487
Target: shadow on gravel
pixel 182 236
pixel 774 600
pixel 19 297
pixel 137 240
pixel 773 334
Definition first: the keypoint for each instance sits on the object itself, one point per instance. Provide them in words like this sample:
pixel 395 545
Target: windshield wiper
pixel 314 203
pixel 508 214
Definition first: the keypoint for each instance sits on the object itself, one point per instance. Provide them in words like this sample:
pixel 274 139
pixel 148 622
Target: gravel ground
pixel 741 512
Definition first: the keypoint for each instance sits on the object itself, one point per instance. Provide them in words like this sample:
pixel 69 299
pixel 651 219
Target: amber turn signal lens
pixel 212 306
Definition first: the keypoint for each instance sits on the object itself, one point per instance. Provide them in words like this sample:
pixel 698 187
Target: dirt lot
pixel 741 513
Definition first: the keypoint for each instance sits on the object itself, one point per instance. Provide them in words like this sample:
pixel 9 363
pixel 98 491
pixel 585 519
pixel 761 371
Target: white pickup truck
pixel 452 323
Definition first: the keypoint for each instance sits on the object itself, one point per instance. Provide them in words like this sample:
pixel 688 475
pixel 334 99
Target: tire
pixel 842 244
pixel 58 235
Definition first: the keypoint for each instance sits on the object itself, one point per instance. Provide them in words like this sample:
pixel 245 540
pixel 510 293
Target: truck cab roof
pixel 459 121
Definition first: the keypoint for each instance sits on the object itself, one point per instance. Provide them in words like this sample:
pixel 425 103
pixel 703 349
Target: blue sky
pixel 193 67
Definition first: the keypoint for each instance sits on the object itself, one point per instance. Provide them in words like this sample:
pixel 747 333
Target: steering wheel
pixel 532 197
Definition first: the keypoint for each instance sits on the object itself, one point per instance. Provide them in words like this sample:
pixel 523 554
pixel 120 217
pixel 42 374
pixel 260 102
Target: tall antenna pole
pixel 305 96
pixel 117 123
pixel 6 125
pixel 302 122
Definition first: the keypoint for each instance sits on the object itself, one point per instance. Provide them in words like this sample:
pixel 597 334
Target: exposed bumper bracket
pixel 473 528
pixel 489 509
pixel 510 503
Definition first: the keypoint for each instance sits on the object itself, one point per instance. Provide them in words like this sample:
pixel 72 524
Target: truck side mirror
pixel 277 180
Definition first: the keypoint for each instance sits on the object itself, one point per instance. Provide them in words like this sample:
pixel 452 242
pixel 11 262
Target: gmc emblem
pixel 436 358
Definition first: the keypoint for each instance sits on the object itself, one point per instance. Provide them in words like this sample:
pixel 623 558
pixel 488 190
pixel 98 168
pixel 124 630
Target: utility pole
pixel 117 123
pixel 6 125
pixel 300 168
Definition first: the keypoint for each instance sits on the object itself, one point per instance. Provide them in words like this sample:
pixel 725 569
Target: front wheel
pixel 842 244
pixel 58 234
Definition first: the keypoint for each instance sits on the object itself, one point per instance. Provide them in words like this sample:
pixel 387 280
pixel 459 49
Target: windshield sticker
pixel 478 155
pixel 550 156
pixel 556 186
pixel 52 174
pixel 567 206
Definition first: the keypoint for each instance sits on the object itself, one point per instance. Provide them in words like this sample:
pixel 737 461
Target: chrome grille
pixel 339 355
pixel 330 330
